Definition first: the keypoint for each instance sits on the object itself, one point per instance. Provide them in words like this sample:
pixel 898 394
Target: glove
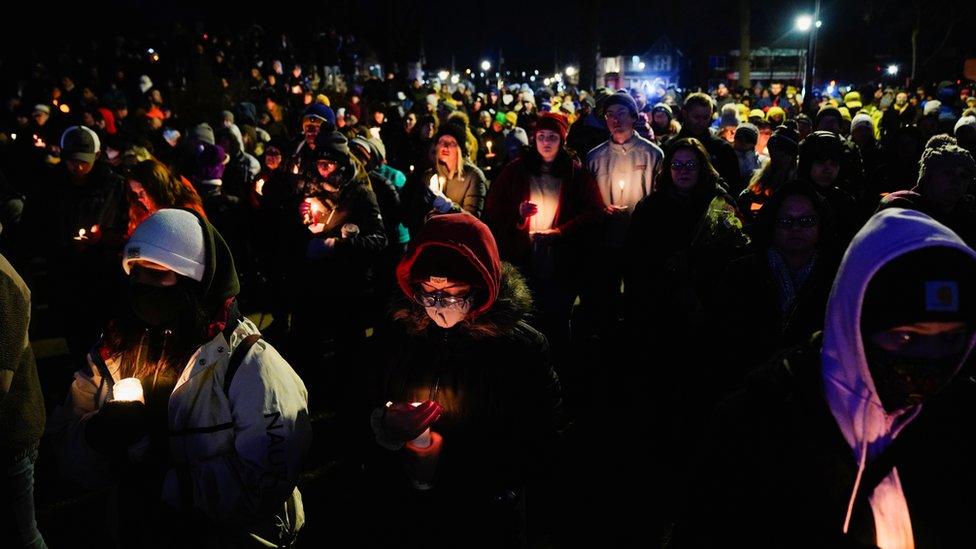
pixel 442 204
pixel 528 209
pixel 116 426
pixel 400 423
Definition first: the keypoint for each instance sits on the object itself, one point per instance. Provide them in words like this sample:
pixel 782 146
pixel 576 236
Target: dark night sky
pixel 857 34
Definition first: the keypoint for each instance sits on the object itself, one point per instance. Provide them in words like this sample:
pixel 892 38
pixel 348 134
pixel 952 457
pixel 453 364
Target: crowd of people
pixel 447 267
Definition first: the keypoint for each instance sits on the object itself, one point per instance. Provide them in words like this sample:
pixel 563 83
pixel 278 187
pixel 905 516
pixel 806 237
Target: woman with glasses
pixel 681 239
pixel 540 208
pixel 776 297
pixel 465 412
pixel 452 184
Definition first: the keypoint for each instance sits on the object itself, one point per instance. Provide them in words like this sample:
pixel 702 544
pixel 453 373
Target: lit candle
pixel 81 235
pixel 295 169
pixel 296 90
pixel 621 184
pixel 259 187
pixel 490 154
pixel 423 441
pixel 65 108
pixel 128 390
pixel 411 165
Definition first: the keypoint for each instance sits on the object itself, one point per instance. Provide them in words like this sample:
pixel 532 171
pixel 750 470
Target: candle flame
pixel 81 232
pixel 621 184
pixel 65 108
pixel 94 229
pixel 295 169
pixel 259 187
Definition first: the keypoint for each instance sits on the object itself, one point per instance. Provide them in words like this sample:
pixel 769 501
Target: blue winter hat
pixel 320 111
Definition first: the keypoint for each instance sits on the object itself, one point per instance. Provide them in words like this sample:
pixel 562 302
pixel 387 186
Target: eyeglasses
pixel 442 299
pixel 805 222
pixel 447 144
pixel 547 137
pixel 619 115
pixel 689 165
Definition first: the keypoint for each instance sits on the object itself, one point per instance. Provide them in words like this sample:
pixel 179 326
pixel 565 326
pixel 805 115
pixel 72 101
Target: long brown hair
pixel 164 188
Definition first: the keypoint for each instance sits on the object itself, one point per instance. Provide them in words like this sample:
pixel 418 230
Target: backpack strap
pixel 236 358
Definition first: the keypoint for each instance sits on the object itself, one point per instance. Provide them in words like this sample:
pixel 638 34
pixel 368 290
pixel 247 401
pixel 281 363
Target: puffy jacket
pixel 241 450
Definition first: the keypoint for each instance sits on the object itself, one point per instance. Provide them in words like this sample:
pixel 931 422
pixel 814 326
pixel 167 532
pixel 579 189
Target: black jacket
pixel 774 469
pixel 502 413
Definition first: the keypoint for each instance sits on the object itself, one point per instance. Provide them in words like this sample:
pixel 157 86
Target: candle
pixel 295 169
pixel 621 184
pixel 64 108
pixel 411 165
pixel 423 441
pixel 490 154
pixel 81 235
pixel 296 90
pixel 128 390
pixel 259 187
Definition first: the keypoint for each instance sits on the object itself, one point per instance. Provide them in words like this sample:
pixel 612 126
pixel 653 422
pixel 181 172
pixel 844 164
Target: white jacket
pixel 242 454
pixel 625 173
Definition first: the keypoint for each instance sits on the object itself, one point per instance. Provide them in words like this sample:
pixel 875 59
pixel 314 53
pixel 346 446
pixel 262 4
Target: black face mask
pixel 907 381
pixel 159 306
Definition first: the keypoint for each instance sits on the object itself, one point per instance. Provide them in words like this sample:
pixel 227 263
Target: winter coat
pixel 676 250
pixel 580 209
pixel 467 193
pixel 501 398
pixel 636 164
pixel 22 406
pixel 234 454
pixel 811 434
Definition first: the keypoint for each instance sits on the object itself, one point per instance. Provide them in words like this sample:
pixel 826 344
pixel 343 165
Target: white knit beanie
pixel 862 119
pixel 171 238
pixel 964 121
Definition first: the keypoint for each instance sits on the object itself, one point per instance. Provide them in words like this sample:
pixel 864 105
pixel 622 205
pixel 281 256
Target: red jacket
pixel 580 206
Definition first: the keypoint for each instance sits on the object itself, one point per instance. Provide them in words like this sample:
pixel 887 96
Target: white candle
pixel 128 390
pixel 423 441
pixel 259 187
pixel 81 235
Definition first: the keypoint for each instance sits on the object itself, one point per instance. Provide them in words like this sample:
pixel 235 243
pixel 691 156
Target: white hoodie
pixel 848 385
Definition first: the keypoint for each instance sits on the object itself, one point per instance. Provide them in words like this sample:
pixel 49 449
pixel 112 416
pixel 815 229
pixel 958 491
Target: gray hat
pixel 80 143
pixel 747 132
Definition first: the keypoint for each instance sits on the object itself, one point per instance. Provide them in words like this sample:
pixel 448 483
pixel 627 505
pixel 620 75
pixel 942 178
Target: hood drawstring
pixel 861 465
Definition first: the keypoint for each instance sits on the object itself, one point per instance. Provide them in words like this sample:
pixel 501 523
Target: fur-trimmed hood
pixel 512 306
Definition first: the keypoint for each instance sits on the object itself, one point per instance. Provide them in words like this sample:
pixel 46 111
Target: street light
pixel 804 23
pixel 485 65
pixel 893 70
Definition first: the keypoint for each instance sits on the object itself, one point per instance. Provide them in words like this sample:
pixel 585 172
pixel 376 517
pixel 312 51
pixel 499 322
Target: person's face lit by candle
pixel 448 152
pixel 444 300
pixel 547 144
pixel 272 158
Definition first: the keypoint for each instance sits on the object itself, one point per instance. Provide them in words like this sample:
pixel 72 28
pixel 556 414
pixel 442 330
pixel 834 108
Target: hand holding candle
pixel 128 390
pixel 121 421
pixel 407 423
